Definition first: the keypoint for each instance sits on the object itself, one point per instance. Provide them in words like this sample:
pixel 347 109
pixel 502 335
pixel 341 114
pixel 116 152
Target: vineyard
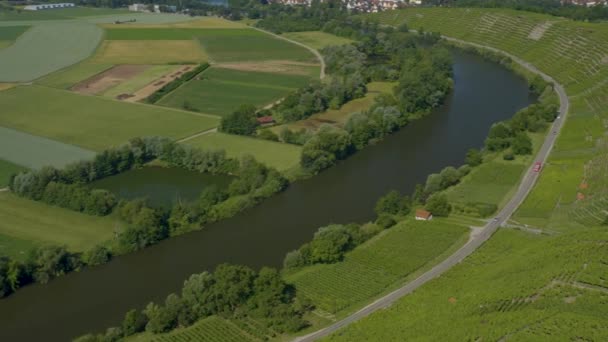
pixel 379 264
pixel 519 285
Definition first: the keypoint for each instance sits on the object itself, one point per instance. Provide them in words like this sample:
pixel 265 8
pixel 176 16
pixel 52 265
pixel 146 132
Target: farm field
pixel 198 22
pixel 139 81
pixel 76 73
pixel 93 122
pixel 317 39
pixel 220 91
pixel 51 225
pixel 340 116
pixel 149 52
pixel 278 155
pixel 110 78
pixel 377 265
pixel 29 58
pixel 6 170
pixel 35 152
pixel 8 34
pixel 522 285
pixel 221 45
pixel 58 14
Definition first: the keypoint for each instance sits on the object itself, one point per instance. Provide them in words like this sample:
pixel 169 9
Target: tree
pixel 522 144
pixel 474 157
pixel 391 203
pixel 134 322
pixel 438 205
pixel 242 121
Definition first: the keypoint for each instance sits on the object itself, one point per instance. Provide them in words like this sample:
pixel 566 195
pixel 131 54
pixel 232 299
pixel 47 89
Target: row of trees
pixel 230 291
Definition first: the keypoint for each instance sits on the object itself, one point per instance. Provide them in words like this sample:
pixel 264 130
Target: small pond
pixel 162 186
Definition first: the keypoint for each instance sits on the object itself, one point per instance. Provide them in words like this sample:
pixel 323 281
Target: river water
pixel 97 298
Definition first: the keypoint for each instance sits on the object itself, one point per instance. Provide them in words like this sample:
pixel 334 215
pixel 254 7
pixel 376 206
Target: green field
pixel 38 223
pixel 148 76
pixel 12 32
pixel 35 152
pixel 378 265
pixel 220 91
pixel 57 14
pixel 278 155
pixel 47 47
pixel 6 170
pixel 317 39
pixel 524 286
pixel 220 44
pixel 93 122
pixel 149 52
pixel 68 77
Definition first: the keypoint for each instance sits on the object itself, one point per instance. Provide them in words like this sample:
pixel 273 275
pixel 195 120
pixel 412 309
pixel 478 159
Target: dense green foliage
pixel 169 87
pixel 242 121
pixel 229 291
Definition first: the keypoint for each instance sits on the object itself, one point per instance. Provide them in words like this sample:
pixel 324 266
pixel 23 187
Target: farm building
pixel 48 6
pixel 265 120
pixel 423 215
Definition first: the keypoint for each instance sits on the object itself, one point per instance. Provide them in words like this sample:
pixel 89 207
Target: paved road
pixel 315 52
pixel 478 239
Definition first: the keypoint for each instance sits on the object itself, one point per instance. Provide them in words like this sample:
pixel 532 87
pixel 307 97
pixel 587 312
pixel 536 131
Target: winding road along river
pixel 97 298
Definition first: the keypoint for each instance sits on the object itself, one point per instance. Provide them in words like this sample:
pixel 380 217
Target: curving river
pixel 97 298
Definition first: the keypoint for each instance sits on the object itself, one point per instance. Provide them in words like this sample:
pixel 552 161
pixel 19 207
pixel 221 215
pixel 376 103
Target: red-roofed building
pixel 265 120
pixel 423 215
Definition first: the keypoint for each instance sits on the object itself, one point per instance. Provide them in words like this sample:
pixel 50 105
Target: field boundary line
pixel 525 186
pixel 4 189
pixel 314 51
pixel 194 136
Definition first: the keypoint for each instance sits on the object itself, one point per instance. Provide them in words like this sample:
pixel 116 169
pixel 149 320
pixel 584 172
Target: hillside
pixel 525 285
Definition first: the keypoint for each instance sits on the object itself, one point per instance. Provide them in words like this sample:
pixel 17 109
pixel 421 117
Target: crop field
pixel 8 34
pixel 140 18
pixel 339 117
pixel 6 170
pixel 278 155
pixel 58 14
pixel 165 33
pixel 149 52
pixel 139 81
pixel 220 91
pixel 377 265
pixel 93 122
pixel 198 22
pixel 520 285
pixel 317 39
pixel 47 47
pixel 68 77
pixel 35 152
pixel 51 225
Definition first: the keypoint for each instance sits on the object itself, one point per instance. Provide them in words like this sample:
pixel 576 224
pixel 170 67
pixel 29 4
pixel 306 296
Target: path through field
pixel 489 229
pixel 213 130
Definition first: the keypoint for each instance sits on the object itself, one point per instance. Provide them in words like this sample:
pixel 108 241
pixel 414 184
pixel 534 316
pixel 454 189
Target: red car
pixel 537 166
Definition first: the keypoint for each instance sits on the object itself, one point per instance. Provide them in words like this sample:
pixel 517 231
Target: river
pixel 97 298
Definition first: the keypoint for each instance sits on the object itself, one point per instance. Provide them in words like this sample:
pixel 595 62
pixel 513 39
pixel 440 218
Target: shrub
pixel 386 221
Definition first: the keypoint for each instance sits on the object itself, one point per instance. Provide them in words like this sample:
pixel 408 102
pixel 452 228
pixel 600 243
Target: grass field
pixel 72 75
pixel 220 91
pixel 199 22
pixel 58 14
pixel 51 225
pixel 149 52
pixel 35 152
pixel 47 47
pixel 6 170
pixel 11 33
pixel 524 286
pixel 93 122
pixel 377 265
pixel 340 116
pixel 278 155
pixel 148 76
pixel 317 39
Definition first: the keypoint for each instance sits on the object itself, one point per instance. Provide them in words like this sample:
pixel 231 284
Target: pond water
pixel 96 298
pixel 162 186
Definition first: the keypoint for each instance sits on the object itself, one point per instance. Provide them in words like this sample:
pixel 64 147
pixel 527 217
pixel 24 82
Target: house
pixel 423 215
pixel 265 120
pixel 48 6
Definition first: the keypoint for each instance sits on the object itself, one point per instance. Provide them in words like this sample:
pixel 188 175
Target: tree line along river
pixel 96 298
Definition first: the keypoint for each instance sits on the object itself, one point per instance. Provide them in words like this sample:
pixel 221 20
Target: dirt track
pixel 155 85
pixel 108 79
